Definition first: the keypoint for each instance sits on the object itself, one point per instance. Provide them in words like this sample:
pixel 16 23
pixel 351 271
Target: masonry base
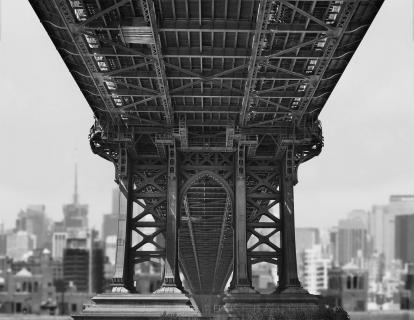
pixel 109 306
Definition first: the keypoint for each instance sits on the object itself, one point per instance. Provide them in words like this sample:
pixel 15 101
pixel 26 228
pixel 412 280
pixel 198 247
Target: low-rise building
pixel 347 287
pixel 29 292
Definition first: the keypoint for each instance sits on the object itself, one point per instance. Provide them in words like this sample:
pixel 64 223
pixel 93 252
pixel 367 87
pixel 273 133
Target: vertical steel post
pixel 123 279
pixel 288 273
pixel 172 282
pixel 241 281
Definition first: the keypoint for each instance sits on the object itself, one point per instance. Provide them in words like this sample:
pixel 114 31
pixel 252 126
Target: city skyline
pixel 364 161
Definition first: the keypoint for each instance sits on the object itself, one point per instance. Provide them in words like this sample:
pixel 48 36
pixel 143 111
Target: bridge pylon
pixel 203 212
pixel 206 108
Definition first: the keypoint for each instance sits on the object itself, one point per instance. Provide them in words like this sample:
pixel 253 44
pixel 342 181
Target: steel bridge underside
pixel 200 82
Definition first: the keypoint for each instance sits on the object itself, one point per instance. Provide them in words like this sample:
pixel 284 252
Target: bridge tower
pixel 206 108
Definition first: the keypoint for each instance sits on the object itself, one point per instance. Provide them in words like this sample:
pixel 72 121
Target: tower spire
pixel 75 194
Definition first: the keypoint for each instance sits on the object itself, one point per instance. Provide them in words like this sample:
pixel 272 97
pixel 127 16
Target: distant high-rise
pixel 58 244
pixel 381 223
pixel 35 222
pixel 75 215
pixel 110 248
pixel 378 220
pixel 19 244
pixel 404 244
pixel 333 245
pixel 315 270
pixel 110 220
pixel 3 240
pixel 77 269
pixel 351 239
pixel 306 238
pixel 109 225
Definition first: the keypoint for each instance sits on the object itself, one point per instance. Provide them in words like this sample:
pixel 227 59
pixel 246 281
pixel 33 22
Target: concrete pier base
pixel 109 306
pixel 280 306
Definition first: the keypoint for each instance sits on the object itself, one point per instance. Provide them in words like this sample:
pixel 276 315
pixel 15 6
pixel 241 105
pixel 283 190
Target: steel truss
pixel 206 109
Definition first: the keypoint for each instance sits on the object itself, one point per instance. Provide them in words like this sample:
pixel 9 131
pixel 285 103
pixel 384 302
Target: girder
pixel 211 81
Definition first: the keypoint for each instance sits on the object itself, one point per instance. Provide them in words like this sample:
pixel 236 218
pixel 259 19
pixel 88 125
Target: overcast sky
pixel 368 126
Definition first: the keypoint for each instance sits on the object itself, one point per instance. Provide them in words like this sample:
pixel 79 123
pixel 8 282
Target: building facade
pixel 19 244
pixel 347 287
pixel 351 240
pixel 382 224
pixel 404 242
pixel 58 244
pixel 315 270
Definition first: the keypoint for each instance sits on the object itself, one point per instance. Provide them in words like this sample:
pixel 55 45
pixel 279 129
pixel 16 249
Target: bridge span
pixel 206 108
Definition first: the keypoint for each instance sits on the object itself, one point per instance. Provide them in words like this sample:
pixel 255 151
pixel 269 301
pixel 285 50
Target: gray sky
pixel 368 126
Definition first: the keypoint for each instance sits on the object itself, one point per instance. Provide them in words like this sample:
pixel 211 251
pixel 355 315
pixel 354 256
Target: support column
pixel 123 279
pixel 289 281
pixel 171 282
pixel 241 282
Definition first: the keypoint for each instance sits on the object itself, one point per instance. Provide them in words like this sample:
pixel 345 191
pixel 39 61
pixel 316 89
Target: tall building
pixel 109 225
pixel 381 223
pixel 351 240
pixel 110 249
pixel 58 244
pixel 35 222
pixel 377 222
pixel 3 244
pixel 110 220
pixel 75 215
pixel 315 270
pixel 19 244
pixel 404 241
pixel 306 238
pixel 333 245
pixel 84 271
pixel 407 293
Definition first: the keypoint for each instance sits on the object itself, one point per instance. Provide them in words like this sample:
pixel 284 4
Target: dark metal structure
pixel 207 108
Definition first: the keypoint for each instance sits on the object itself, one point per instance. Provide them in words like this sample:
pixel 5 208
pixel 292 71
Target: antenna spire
pixel 75 194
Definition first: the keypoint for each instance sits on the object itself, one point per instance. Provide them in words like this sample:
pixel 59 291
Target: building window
pixel 348 282
pixel 74 307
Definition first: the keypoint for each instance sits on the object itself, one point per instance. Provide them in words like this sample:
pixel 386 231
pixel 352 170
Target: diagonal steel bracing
pixel 225 81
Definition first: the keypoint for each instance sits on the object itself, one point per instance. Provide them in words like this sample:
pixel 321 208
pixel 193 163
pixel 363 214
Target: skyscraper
pixel 315 270
pixel 352 239
pixel 306 238
pixel 34 221
pixel 110 220
pixel 109 225
pixel 86 272
pixel 19 244
pixel 404 244
pixel 58 244
pixel 75 215
pixel 382 227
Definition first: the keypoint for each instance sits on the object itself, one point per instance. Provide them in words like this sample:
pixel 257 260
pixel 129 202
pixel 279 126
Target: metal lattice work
pixel 207 208
pixel 213 105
